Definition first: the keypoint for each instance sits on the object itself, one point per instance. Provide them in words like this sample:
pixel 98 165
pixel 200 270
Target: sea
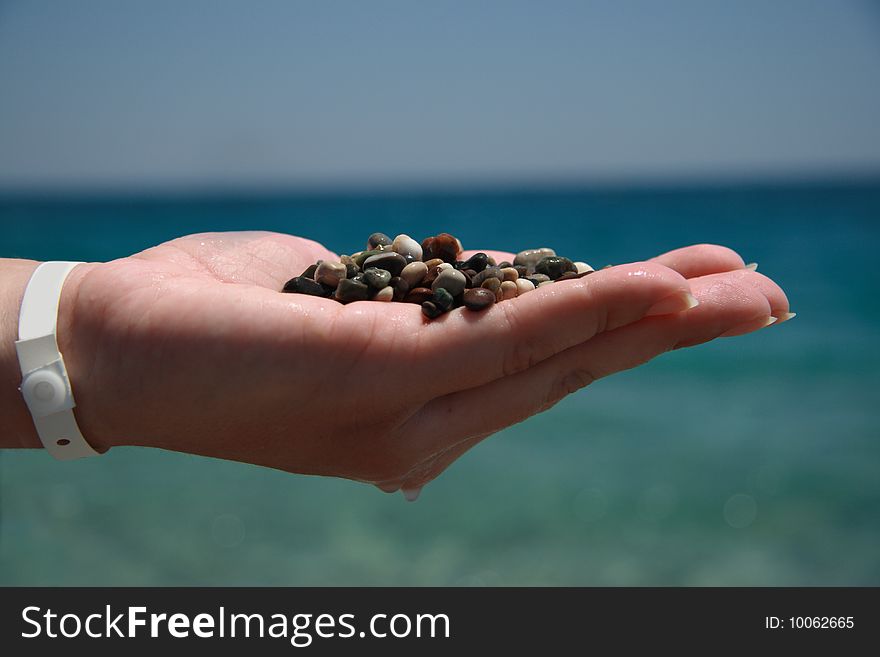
pixel 748 461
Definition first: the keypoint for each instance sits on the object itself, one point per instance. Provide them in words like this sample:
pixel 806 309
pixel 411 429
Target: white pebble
pixel 407 246
pixel 413 273
pixel 524 285
pixel 583 267
pixel 385 294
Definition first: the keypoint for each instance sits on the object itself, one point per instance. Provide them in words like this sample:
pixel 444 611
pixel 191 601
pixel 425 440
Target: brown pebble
pixel 419 295
pixel 310 271
pixel 509 273
pixel 433 262
pixel 478 298
pixel 508 290
pixel 443 246
pixel 385 294
pixel 400 287
pixel 492 284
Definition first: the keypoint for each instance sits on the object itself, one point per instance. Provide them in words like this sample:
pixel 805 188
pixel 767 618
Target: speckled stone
pixel 351 290
pixel 443 246
pixel 413 273
pixel 554 266
pixel 303 285
pixel 524 285
pixel 530 257
pixel 509 273
pixel 491 284
pixel 378 239
pixel 508 290
pixel 419 295
pixel 377 278
pixel 477 262
pixel 452 280
pixel 389 261
pixel 478 298
pixel 407 247
pixel 385 294
pixel 330 273
pixel 488 272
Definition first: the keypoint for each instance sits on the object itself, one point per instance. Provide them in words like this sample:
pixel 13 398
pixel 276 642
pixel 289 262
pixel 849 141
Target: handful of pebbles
pixel 431 274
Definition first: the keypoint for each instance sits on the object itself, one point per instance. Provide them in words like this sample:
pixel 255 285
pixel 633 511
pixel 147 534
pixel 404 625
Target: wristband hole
pixel 62 442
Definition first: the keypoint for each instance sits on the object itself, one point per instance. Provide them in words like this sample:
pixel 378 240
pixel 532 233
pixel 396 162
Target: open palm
pixel 190 346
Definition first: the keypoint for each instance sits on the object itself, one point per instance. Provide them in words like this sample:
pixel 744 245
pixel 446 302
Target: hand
pixel 190 346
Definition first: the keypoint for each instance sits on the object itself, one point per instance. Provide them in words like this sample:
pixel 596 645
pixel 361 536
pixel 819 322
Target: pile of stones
pixel 431 274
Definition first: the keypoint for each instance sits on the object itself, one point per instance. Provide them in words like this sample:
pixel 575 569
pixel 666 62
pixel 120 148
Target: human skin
pixel 189 346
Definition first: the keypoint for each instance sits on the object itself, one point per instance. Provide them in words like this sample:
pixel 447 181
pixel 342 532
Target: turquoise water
pixel 747 461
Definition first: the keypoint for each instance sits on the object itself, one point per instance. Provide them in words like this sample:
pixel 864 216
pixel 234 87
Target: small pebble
pixel 488 272
pixel 478 298
pixel 493 284
pixel 377 278
pixel 330 273
pixel 583 267
pixel 413 273
pixel 310 271
pixel 388 260
pixel 303 285
pixel 554 266
pixel 360 258
pixel 530 257
pixel 509 273
pixel 385 294
pixel 477 262
pixel 452 280
pixel 407 247
pixel 430 310
pixel 378 239
pixel 443 299
pixel 419 295
pixel 351 290
pixel 508 290
pixel 400 287
pixel 443 246
pixel 524 285
pixel 433 262
pixel 537 279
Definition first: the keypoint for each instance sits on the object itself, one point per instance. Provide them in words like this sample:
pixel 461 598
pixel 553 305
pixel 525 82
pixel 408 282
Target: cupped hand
pixel 190 346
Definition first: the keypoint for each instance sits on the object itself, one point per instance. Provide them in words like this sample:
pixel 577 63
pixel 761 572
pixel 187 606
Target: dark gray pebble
pixel 503 264
pixel 360 258
pixel 310 271
pixel 400 287
pixel 443 299
pixel 478 298
pixel 554 266
pixel 478 262
pixel 351 290
pixel 430 310
pixel 387 260
pixel 303 285
pixel 377 278
pixel 378 239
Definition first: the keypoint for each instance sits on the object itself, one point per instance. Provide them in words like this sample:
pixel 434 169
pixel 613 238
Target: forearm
pixel 16 426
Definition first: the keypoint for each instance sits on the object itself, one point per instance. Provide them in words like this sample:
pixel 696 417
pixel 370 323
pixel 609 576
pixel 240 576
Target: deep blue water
pixel 746 461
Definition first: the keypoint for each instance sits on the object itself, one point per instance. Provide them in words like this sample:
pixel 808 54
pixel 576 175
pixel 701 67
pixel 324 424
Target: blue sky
pixel 101 93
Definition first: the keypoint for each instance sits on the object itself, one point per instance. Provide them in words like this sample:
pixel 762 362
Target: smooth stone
pixel 537 279
pixel 433 262
pixel 443 266
pixel 303 285
pixel 351 290
pixel 418 295
pixel 509 273
pixel 508 290
pixel 388 260
pixel 377 278
pixel 490 284
pixel 413 273
pixel 582 267
pixel 478 262
pixel 385 294
pixel 524 285
pixel 407 247
pixel 443 246
pixel 430 310
pixel 361 257
pixel 400 287
pixel 330 273
pixel 504 264
pixel 443 299
pixel 478 298
pixel 451 280
pixel 499 295
pixel 492 262
pixel 378 239
pixel 554 266
pixel 530 257
pixel 351 270
pixel 488 272
pixel 310 272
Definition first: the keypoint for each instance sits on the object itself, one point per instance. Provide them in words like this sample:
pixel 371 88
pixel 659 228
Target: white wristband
pixel 44 385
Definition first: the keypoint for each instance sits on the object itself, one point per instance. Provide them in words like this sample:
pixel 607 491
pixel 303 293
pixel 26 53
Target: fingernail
pixel 673 304
pixel 784 317
pixel 752 266
pixel 770 320
pixel 411 494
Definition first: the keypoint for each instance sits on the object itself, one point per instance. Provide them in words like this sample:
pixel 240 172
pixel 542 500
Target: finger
pixel 463 349
pixel 700 260
pixel 728 302
pixel 499 256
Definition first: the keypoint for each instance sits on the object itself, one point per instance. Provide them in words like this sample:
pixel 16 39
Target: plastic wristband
pixel 45 385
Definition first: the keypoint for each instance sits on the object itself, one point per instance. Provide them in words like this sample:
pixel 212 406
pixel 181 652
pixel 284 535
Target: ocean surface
pixel 749 461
